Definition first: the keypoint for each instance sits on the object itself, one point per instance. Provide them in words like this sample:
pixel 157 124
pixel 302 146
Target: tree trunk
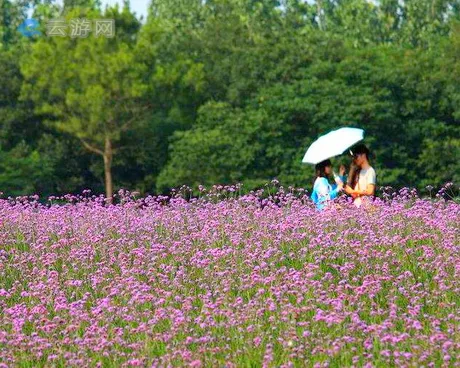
pixel 319 9
pixel 108 154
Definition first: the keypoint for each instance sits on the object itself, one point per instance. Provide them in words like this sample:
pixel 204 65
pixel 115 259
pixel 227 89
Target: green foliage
pixel 17 166
pixel 86 83
pixel 228 91
pixel 218 149
pixel 92 87
pixel 11 15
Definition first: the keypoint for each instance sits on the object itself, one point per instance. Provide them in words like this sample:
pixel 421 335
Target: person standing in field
pixel 323 191
pixel 362 176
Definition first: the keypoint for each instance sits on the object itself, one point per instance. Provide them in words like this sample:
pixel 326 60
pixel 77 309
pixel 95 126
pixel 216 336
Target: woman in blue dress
pixel 323 191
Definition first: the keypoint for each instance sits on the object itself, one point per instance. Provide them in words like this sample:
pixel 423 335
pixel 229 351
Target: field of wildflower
pixel 228 280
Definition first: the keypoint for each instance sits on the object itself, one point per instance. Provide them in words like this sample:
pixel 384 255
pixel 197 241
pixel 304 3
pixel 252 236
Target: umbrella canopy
pixel 332 144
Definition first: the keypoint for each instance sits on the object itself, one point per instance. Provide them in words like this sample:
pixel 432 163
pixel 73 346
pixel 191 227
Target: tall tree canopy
pixel 102 95
pixel 220 91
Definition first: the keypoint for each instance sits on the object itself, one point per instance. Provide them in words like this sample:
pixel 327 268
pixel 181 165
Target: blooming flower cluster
pixel 229 281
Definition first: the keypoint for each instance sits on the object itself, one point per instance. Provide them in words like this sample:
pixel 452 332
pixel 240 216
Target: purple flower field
pixel 229 281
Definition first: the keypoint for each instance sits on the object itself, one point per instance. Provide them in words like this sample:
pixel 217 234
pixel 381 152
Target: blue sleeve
pixel 314 196
pixel 334 193
pixel 321 191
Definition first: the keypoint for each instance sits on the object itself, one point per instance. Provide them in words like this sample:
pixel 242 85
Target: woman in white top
pixel 362 177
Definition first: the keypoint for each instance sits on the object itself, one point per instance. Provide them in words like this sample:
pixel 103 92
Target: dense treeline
pixel 226 91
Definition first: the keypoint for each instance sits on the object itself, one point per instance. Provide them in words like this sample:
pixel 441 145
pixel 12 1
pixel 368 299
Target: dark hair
pixel 321 168
pixel 359 149
pixel 353 176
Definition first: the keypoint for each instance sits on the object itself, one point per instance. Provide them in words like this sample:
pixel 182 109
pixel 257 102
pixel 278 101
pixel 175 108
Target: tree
pixel 92 87
pixel 219 149
pixel 242 87
pixel 440 133
pixel 379 89
pixel 11 15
